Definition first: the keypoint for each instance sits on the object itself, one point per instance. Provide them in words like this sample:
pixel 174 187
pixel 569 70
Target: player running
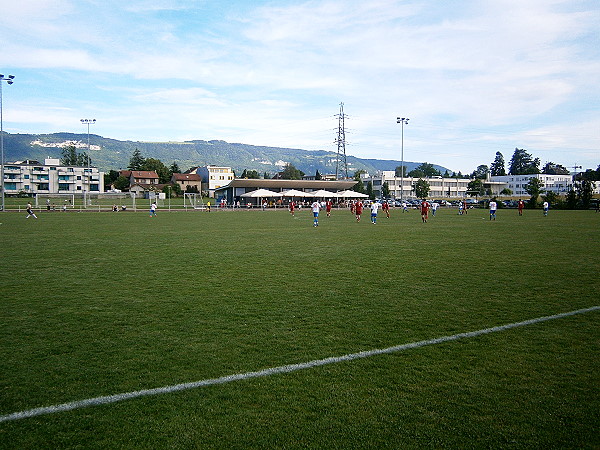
pixel 385 207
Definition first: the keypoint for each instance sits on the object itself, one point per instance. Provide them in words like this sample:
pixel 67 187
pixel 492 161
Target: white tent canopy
pixel 351 194
pixel 296 193
pixel 261 193
pixel 324 194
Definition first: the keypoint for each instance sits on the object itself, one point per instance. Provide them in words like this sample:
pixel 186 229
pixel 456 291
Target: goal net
pixel 54 201
pixel 192 200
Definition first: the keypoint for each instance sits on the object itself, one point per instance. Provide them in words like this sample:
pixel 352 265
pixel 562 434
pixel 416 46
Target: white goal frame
pixel 192 200
pixel 62 196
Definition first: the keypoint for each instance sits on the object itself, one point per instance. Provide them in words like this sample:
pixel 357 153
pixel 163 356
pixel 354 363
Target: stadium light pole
pixel 88 122
pixel 9 80
pixel 403 121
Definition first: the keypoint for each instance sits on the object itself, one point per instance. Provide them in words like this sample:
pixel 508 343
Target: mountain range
pixel 111 154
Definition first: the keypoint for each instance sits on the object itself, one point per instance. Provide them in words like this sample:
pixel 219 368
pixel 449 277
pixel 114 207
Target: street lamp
pixel 403 121
pixel 88 122
pixel 9 80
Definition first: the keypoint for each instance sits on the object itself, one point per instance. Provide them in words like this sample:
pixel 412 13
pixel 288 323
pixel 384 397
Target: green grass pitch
pixel 96 304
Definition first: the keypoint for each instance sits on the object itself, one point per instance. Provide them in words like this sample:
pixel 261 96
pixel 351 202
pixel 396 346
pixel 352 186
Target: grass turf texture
pixel 101 303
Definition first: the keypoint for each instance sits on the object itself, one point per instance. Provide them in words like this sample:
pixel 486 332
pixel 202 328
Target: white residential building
pixel 559 184
pixel 32 177
pixel 215 177
pixel 440 187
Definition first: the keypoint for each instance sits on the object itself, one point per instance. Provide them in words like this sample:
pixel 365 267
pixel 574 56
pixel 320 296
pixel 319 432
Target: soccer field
pixel 103 304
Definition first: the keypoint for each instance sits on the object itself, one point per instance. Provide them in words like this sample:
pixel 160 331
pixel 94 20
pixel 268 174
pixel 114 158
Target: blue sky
pixel 474 77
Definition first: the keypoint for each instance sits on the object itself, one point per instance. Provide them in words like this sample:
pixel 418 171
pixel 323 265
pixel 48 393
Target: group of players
pixel 357 207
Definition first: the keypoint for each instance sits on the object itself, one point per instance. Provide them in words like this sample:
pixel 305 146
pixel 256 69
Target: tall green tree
pixel 399 171
pixel 522 163
pixel 421 188
pixel 481 172
pixel 359 186
pixel 385 190
pixel 136 162
pixel 163 172
pixel 110 177
pixel 416 173
pixel 251 174
pixel 589 174
pixel 475 188
pixel 428 170
pixel 291 173
pixel 585 191
pixel 318 176
pixel 497 167
pixel 369 190
pixel 121 183
pixel 534 188
pixel 70 157
pixel 571 199
pixel 550 197
pixel 175 168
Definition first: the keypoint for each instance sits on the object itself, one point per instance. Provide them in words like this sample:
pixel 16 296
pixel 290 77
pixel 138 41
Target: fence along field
pixel 108 304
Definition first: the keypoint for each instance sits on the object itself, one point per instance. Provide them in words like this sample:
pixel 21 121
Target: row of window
pixel 46 187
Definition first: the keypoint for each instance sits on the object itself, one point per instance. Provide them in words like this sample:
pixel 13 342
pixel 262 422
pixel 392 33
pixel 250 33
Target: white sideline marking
pixel 274 370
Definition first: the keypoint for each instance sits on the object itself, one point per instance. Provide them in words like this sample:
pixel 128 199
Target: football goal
pixel 192 200
pixel 54 201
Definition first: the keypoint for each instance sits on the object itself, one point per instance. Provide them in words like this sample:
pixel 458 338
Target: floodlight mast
pixel 88 122
pixel 9 80
pixel 403 121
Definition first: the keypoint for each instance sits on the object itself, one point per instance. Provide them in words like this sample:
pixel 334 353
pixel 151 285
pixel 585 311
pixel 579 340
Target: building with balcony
pixel 33 177
pixel 439 187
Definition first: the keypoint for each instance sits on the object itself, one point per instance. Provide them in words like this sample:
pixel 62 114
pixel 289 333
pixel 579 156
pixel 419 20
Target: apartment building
pixel 33 177
pixel 559 184
pixel 214 177
pixel 440 187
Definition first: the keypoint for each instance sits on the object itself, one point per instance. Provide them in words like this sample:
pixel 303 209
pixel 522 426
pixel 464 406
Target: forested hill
pixel 113 154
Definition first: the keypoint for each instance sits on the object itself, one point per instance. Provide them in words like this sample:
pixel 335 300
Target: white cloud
pixel 468 73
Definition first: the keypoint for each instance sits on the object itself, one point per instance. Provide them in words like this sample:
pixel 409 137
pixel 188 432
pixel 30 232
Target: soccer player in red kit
pixel 386 208
pixel 328 207
pixel 424 210
pixel 358 209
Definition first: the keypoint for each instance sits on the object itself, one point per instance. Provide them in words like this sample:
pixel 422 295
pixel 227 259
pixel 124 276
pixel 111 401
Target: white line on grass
pixel 275 370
